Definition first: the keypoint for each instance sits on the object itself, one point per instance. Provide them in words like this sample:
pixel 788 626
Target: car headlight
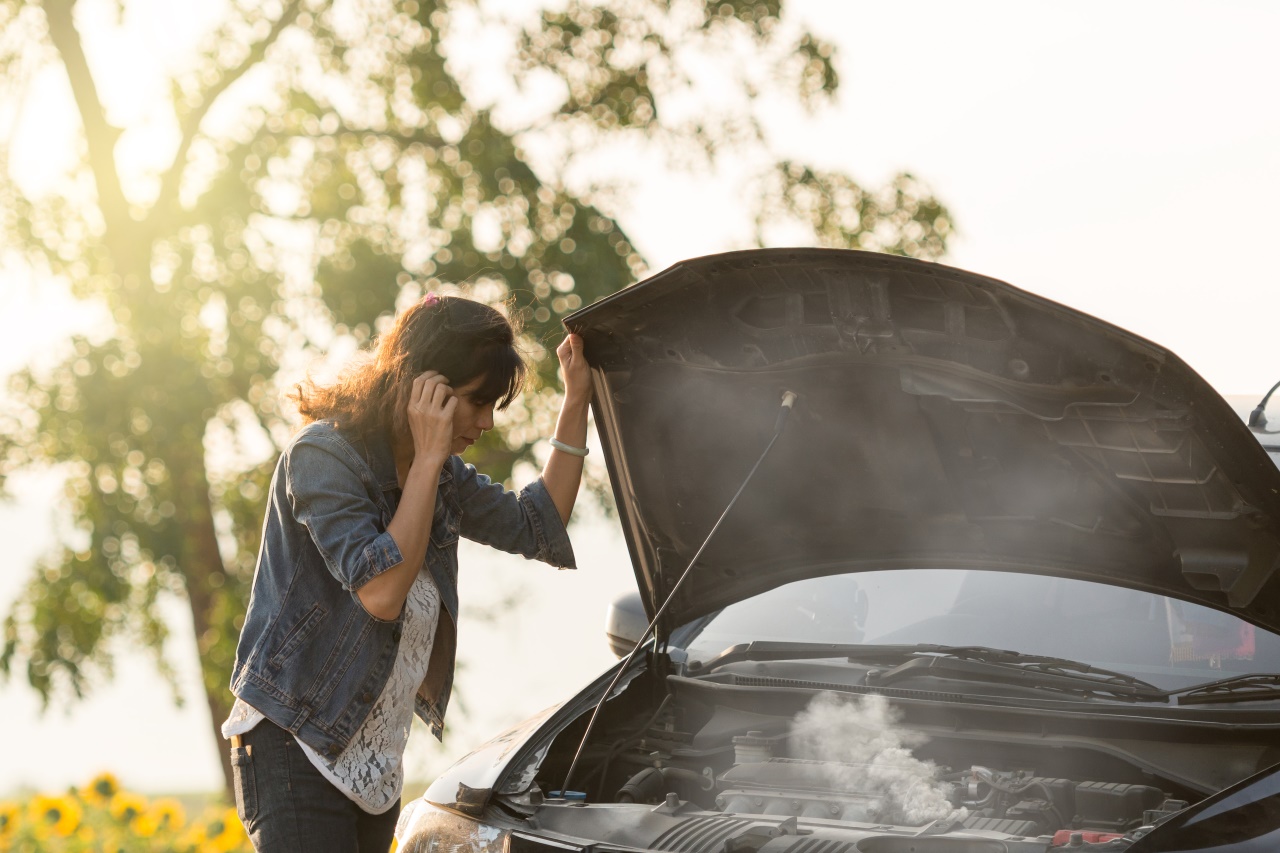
pixel 426 828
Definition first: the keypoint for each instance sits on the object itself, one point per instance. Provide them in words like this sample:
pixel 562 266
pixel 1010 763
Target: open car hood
pixel 944 419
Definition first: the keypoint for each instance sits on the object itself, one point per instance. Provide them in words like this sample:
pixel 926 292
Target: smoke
pixel 864 751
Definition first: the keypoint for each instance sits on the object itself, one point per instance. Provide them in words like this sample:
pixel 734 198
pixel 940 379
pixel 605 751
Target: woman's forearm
pixel 410 527
pixel 562 474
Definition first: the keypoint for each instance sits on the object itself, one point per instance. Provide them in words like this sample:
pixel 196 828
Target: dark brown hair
pixel 460 338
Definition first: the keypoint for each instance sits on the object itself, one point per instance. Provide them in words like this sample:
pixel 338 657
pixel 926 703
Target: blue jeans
pixel 286 805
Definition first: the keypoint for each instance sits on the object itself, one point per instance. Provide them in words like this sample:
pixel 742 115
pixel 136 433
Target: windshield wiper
pixel 978 662
pixel 1239 688
pixel 1017 668
pixel 763 651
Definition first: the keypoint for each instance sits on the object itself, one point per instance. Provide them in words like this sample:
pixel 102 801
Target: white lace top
pixel 371 769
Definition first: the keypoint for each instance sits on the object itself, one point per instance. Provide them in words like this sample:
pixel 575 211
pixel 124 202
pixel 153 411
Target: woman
pixel 351 624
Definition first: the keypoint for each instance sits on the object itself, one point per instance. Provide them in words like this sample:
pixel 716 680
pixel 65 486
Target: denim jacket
pixel 310 657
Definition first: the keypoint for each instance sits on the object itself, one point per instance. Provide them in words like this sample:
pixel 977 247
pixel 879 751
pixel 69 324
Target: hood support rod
pixel 788 403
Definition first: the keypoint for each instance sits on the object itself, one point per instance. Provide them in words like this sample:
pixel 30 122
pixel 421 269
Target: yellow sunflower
pixel 167 813
pixel 101 789
pixel 59 815
pixel 10 817
pixel 145 825
pixel 125 806
pixel 191 840
pixel 225 833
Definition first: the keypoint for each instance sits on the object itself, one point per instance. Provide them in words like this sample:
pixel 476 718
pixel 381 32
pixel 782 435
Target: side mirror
pixel 625 623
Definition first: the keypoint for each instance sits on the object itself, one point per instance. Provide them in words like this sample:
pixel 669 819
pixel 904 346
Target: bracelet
pixel 569 448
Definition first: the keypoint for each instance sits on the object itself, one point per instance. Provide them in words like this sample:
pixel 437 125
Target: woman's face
pixel 471 418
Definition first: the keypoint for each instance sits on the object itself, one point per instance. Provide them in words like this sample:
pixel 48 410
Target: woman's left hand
pixel 574 369
pixel 563 472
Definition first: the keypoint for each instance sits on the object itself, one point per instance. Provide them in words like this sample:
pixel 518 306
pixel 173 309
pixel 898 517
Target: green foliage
pixel 362 172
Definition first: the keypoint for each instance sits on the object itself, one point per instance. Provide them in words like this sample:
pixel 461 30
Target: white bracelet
pixel 569 448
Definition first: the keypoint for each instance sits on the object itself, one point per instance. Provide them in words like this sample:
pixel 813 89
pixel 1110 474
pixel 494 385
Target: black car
pixel 994 576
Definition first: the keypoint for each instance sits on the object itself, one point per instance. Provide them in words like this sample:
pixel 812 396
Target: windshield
pixel 1169 643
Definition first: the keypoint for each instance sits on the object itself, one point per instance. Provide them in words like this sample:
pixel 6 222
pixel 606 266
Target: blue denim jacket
pixel 310 657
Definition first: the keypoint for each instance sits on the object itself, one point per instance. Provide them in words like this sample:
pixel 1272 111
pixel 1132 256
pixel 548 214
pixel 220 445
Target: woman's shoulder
pixel 367 458
pixel 317 429
pixel 327 436
pixel 316 433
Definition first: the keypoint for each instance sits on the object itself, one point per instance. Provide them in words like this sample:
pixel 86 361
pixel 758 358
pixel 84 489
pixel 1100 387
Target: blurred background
pixel 204 201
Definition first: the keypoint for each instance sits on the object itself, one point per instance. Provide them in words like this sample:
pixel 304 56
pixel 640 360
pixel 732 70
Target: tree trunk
pixel 219 703
pixel 201 561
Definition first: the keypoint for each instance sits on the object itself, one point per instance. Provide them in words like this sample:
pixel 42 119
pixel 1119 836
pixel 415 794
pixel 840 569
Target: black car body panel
pixel 944 419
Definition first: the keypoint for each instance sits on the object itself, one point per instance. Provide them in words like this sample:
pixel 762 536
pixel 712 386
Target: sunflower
pixel 101 789
pixel 167 814
pixel 145 825
pixel 59 815
pixel 225 833
pixel 191 840
pixel 10 816
pixel 125 806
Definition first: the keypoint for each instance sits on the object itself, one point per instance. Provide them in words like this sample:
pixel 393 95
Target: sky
pixel 1123 159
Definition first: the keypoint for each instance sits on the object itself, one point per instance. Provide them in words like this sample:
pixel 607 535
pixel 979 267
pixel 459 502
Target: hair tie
pixel 430 299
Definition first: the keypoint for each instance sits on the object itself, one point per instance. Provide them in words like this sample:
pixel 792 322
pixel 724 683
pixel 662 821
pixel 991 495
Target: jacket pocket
pixel 245 782
pixel 297 636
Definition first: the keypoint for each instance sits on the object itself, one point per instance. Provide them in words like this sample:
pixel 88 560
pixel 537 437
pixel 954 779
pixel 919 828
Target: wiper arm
pixel 1239 688
pixel 1049 665
pixel 1009 667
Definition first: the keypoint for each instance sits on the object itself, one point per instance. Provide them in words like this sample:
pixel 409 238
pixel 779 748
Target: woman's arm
pixel 563 472
pixel 431 422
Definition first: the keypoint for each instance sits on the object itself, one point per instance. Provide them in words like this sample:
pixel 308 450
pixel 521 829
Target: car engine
pixel 700 776
pixel 1012 801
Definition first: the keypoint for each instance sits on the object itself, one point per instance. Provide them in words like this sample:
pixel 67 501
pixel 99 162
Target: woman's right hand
pixel 431 406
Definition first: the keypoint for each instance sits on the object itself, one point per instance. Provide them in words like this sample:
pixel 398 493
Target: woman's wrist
pixel 575 405
pixel 428 465
pixel 571 426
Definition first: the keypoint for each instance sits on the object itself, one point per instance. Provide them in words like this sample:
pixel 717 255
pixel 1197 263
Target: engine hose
pixel 704 781
pixel 651 784
pixel 647 786
pixel 1048 798
pixel 988 775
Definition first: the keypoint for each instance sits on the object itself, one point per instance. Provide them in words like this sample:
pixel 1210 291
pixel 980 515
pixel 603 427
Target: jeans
pixel 286 805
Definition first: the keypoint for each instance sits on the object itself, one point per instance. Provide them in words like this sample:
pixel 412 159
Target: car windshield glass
pixel 1170 643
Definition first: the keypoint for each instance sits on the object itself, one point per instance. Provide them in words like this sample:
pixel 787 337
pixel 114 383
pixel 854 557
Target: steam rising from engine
pixel 864 750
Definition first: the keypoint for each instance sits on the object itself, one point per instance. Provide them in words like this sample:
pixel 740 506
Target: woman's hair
pixel 460 338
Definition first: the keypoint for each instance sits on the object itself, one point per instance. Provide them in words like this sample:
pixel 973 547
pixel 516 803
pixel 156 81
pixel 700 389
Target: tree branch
pixel 191 124
pixel 100 136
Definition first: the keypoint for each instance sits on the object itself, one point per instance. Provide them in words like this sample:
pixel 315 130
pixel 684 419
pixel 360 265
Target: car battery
pixel 1114 806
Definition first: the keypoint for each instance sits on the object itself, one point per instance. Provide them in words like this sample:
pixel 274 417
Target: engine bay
pixel 710 768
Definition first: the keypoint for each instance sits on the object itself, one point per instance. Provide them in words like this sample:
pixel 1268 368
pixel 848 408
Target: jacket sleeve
pixel 525 522
pixel 332 501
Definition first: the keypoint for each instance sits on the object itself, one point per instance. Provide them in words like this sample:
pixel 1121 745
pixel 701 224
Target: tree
pixel 331 159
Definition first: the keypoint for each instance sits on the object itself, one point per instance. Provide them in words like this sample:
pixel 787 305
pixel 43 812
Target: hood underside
pixel 944 419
